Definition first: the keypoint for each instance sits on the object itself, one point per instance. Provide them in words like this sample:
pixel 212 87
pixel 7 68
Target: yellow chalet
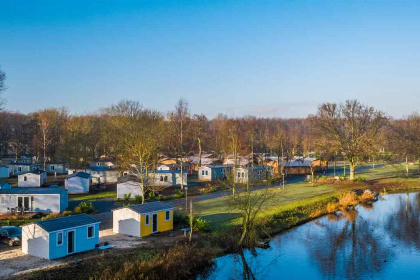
pixel 143 219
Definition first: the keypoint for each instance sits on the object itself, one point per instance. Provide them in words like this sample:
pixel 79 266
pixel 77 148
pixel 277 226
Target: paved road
pixel 106 205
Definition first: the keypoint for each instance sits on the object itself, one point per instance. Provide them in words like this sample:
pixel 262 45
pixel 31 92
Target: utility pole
pixel 186 198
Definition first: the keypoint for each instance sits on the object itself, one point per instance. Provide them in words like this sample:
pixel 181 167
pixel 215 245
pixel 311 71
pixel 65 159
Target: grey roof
pixel 150 207
pixel 128 178
pixel 37 172
pixel 20 163
pixel 80 174
pixel 72 221
pixel 33 191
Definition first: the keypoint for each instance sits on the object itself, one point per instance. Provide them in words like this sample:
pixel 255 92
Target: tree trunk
pixel 199 152
pixel 352 171
pixel 406 166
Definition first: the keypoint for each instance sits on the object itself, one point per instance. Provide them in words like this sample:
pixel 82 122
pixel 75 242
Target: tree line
pixel 137 137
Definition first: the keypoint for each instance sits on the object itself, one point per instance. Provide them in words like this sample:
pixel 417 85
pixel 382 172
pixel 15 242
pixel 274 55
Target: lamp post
pixel 186 198
pixel 282 174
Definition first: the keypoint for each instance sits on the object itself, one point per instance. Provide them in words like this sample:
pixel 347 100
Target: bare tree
pixel 2 89
pixel 350 127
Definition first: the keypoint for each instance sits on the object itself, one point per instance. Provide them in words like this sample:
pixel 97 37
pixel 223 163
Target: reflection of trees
pixel 350 248
pixel 404 226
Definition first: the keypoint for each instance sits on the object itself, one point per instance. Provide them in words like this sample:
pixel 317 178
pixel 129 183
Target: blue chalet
pixel 60 237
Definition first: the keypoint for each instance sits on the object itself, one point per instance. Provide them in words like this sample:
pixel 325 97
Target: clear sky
pixel 265 58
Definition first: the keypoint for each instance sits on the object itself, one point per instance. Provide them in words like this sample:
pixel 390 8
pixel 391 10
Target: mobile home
pixel 144 219
pixel 43 200
pixel 32 179
pixel 4 172
pixel 78 183
pixel 213 172
pixel 129 185
pixel 60 237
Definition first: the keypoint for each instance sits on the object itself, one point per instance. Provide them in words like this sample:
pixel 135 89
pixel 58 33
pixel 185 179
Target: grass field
pixel 303 193
pixel 99 195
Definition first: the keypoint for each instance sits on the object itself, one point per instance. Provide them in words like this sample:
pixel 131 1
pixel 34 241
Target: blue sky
pixel 265 58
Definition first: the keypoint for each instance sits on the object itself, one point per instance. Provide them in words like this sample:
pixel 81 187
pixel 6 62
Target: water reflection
pixel 381 242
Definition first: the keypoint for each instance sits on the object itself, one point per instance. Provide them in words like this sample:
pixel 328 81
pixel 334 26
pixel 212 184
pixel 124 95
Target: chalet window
pixel 52 167
pixel 202 172
pixel 20 169
pixel 161 178
pixel 146 222
pixel 239 174
pixel 90 232
pixel 2 200
pixel 207 172
pixel 167 215
pixel 243 175
pixel 59 238
pixel 166 179
pixel 25 178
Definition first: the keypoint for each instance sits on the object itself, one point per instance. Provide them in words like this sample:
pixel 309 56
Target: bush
pixel 50 216
pixel 348 200
pixel 67 213
pixel 152 195
pixel 178 194
pixel 359 179
pixel 127 196
pixel 341 178
pixel 137 199
pixel 201 224
pixel 180 219
pixel 367 197
pixel 332 207
pixel 84 207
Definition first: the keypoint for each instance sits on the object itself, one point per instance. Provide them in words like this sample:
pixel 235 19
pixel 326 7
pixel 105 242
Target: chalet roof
pixel 150 207
pixel 36 172
pixel 72 221
pixel 3 184
pixel 33 191
pixel 128 178
pixel 80 174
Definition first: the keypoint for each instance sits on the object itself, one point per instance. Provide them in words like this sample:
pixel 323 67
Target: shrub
pixel 137 199
pixel 332 207
pixel 341 178
pixel 359 179
pixel 50 216
pixel 367 197
pixel 201 224
pixel 127 196
pixel 180 219
pixel 67 213
pixel 152 195
pixel 178 193
pixel 84 207
pixel 348 200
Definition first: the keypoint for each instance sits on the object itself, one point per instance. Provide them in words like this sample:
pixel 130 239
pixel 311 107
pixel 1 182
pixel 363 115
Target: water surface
pixel 381 241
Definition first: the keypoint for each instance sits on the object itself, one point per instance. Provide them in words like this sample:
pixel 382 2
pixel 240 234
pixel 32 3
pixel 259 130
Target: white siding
pixel 32 180
pixel 135 188
pixel 77 185
pixel 126 221
pixel 46 203
pixel 204 173
pixel 35 241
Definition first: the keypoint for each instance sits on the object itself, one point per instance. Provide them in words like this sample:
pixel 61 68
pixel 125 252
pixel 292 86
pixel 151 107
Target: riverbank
pixel 296 205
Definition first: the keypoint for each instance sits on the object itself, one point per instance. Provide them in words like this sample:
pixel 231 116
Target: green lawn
pixel 93 196
pixel 294 194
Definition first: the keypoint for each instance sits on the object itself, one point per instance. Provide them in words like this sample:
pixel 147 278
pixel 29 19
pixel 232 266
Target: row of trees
pixel 136 135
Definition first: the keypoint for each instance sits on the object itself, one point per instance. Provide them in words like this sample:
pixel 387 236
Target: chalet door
pixel 154 223
pixel 24 202
pixel 70 242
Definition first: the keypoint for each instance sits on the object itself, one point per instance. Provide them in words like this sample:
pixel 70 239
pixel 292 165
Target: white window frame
pixel 93 231
pixel 52 167
pixel 146 220
pixel 19 169
pixel 62 238
pixel 166 212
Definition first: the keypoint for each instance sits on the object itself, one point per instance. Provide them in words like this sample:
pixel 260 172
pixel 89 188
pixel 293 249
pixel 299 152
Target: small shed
pixel 78 182
pixel 43 200
pixel 144 219
pixel 129 185
pixel 60 237
pixel 4 172
pixel 32 179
